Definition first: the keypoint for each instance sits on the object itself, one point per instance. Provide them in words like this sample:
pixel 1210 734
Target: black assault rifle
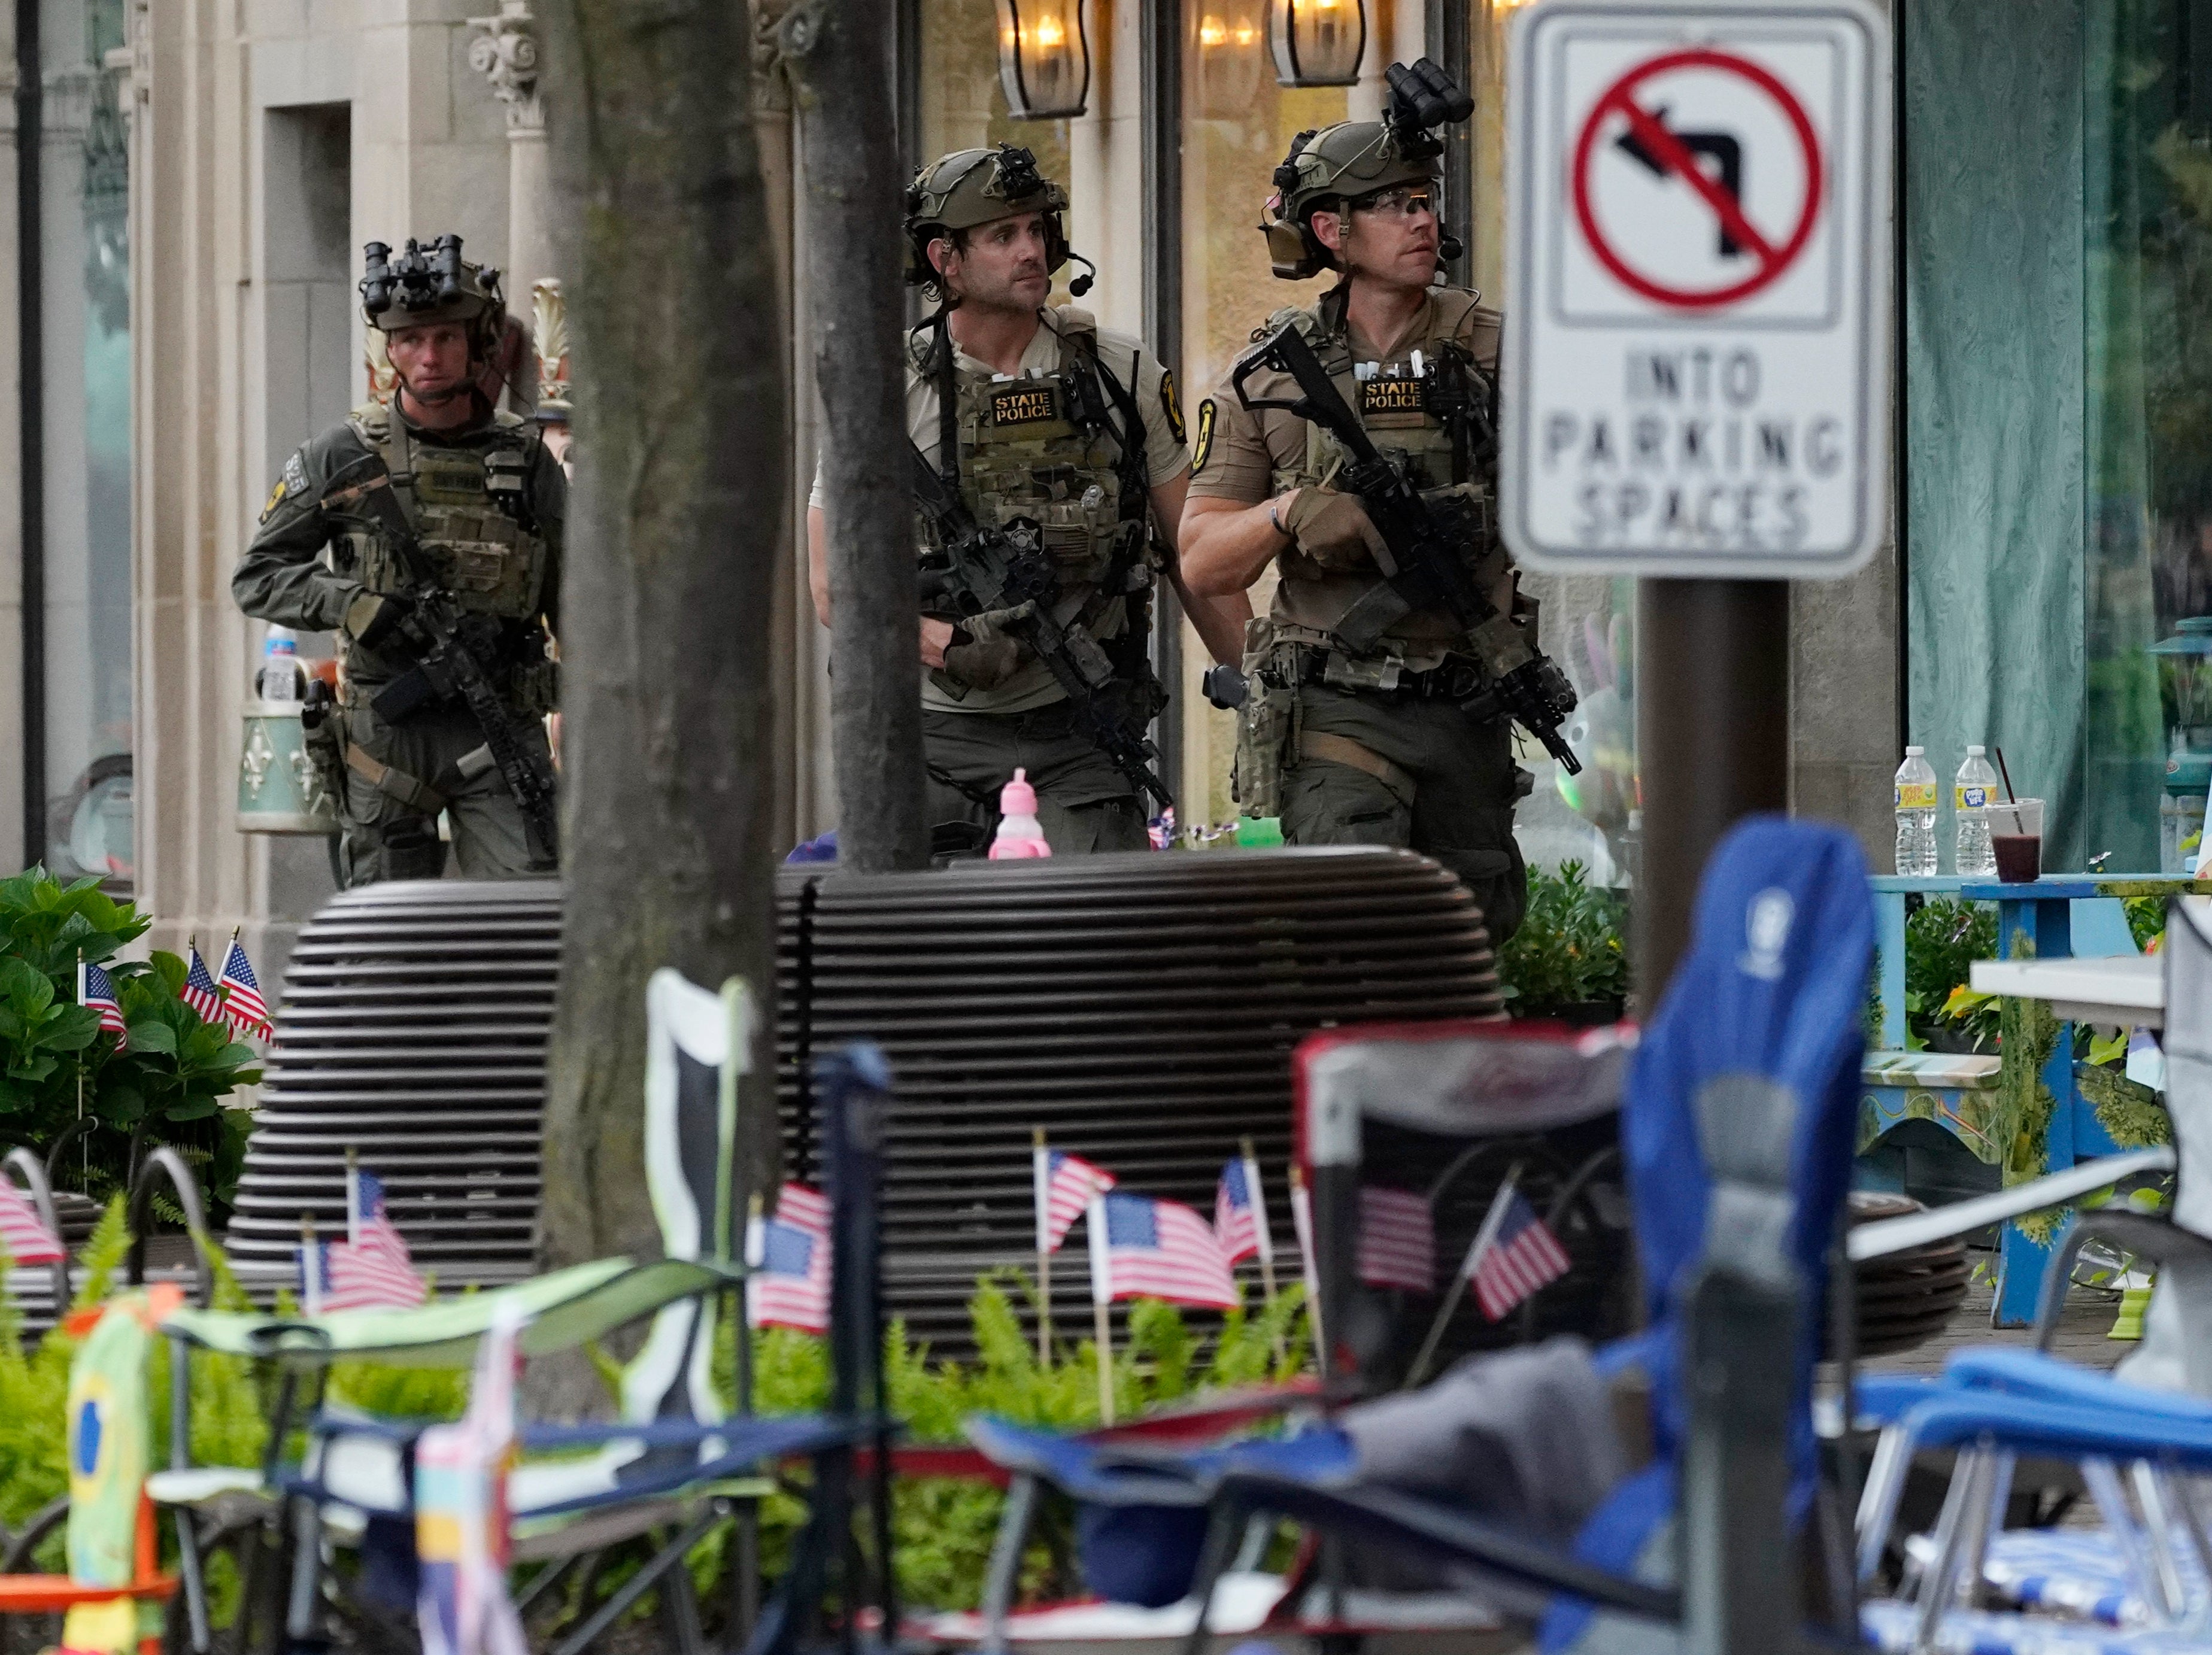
pixel 447 667
pixel 986 569
pixel 1423 563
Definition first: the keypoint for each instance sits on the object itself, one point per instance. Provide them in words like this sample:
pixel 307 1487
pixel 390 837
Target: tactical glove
pixel 991 654
pixel 372 618
pixel 1333 530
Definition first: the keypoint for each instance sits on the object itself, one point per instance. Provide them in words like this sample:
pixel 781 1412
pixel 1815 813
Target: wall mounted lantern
pixel 1317 42
pixel 1044 58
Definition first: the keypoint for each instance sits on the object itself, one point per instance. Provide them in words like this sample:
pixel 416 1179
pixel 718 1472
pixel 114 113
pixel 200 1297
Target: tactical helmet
pixel 1325 169
pixel 973 186
pixel 419 289
pixel 1355 159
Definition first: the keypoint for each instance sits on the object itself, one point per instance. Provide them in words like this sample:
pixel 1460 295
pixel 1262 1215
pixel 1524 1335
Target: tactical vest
pixel 470 509
pixel 1400 412
pixel 1047 447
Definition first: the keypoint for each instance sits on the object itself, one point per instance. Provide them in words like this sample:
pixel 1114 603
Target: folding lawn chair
pixel 2145 1569
pixel 676 1467
pixel 1737 1134
pixel 673 1466
pixel 1442 1113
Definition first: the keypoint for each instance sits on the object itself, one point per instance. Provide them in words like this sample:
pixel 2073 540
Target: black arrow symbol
pixel 1726 151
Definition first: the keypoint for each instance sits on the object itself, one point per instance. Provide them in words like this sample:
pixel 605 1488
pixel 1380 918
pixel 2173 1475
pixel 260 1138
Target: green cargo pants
pixel 1084 804
pixel 1382 769
pixel 390 825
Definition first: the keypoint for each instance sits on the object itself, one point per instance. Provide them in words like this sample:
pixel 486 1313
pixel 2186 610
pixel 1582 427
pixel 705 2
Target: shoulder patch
pixel 1171 404
pixel 1204 437
pixel 292 484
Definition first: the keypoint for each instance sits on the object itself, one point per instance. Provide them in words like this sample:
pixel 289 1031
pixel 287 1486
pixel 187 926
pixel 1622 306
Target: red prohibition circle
pixel 1775 260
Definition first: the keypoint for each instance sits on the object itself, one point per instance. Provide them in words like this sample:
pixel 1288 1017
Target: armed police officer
pixel 1353 447
pixel 427 535
pixel 1050 471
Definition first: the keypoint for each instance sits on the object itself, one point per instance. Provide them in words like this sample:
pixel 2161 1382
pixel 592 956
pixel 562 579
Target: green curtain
pixel 1994 405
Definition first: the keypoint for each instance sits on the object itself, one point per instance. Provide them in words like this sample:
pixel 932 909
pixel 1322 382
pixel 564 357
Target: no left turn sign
pixel 1694 379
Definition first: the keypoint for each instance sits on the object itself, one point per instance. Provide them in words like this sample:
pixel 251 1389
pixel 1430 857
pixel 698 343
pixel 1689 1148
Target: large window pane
pixel 87 297
pixel 2147 713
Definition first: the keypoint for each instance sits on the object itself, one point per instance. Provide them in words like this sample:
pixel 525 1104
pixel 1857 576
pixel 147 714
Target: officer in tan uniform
pixel 1364 746
pixel 486 502
pixel 1048 424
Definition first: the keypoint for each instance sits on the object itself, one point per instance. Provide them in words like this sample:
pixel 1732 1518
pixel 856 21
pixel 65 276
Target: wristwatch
pixel 1277 521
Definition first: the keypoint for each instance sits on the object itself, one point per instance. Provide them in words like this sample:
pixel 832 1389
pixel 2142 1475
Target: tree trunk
pixel 838 57
pixel 675 529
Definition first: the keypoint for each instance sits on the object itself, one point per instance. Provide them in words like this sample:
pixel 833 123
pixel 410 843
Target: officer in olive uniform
pixel 1365 747
pixel 487 503
pixel 1038 416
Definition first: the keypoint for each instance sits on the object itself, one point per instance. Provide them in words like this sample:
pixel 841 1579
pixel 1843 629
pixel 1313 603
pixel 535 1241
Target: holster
pixel 1266 723
pixel 322 729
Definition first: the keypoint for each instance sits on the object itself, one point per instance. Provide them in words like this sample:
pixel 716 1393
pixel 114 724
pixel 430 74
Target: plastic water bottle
pixel 1019 834
pixel 1916 815
pixel 280 666
pixel 1971 793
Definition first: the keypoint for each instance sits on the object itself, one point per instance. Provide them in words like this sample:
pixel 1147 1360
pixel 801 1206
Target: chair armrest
pixel 2050 1379
pixel 2061 1430
pixel 1397 1518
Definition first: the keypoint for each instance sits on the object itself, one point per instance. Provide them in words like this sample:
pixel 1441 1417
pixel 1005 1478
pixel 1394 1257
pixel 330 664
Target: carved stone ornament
pixel 550 312
pixel 505 53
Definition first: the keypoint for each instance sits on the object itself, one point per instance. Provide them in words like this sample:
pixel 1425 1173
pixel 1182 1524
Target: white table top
pixel 2129 989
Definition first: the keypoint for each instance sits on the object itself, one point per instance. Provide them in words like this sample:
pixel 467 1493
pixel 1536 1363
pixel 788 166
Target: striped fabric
pixel 22 1232
pixel 1397 1239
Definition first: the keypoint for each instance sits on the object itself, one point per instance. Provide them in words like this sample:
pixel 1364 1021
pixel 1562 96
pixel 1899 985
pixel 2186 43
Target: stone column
pixel 505 53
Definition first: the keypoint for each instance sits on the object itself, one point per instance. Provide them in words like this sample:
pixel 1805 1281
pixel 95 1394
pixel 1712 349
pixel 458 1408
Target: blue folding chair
pixel 1737 1131
pixel 2144 1572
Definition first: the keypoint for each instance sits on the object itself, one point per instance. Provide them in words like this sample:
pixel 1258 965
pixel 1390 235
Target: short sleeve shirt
pixel 1153 388
pixel 1240 453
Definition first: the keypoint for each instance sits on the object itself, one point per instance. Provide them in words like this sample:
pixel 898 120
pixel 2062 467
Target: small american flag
pixel 242 993
pixel 1148 1249
pixel 372 1268
pixel 789 1256
pixel 199 991
pixel 95 991
pixel 1397 1239
pixel 1521 1257
pixel 22 1232
pixel 1239 1218
pixel 1063 1185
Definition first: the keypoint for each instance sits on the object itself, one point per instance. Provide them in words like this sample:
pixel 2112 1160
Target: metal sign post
pixel 1695 366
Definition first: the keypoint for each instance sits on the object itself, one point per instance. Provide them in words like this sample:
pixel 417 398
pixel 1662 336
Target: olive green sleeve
pixel 281 578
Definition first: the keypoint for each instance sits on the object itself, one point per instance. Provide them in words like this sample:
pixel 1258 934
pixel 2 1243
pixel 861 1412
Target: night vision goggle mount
pixel 1422 98
pixel 417 282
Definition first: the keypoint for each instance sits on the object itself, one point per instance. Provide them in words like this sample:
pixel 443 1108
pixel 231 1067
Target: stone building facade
pixel 207 170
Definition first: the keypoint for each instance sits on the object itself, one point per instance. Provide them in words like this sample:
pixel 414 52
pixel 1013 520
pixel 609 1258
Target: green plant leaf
pixel 150 1035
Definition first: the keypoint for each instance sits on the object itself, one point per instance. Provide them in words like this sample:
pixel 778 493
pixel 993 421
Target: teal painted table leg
pixel 1889 956
pixel 2045 926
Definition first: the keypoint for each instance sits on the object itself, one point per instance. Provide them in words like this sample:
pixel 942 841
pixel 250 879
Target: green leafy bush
pixel 169 1077
pixel 1943 937
pixel 1571 950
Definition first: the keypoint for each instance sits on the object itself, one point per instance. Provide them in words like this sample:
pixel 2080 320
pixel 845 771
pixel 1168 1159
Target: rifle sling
pixel 410 790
